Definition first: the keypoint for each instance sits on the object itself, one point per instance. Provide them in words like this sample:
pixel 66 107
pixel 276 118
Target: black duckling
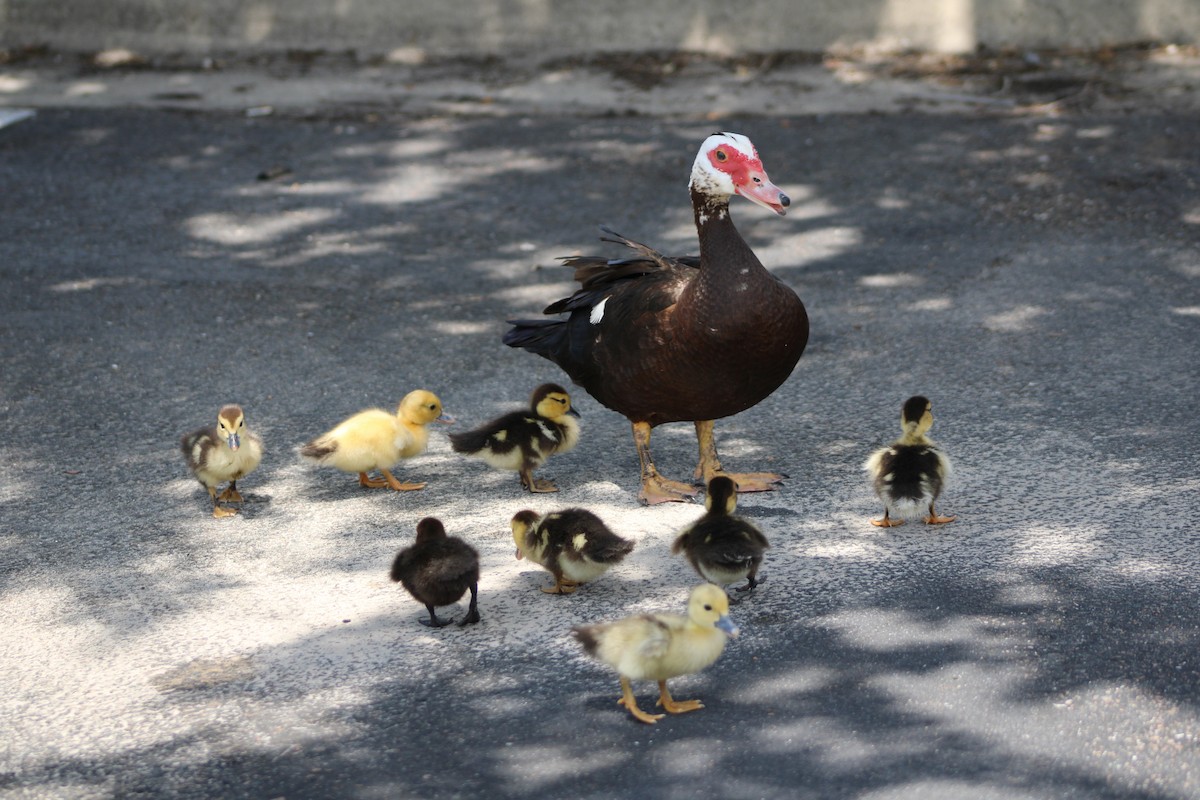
pixel 523 440
pixel 227 451
pixel 723 547
pixel 574 544
pixel 908 476
pixel 658 647
pixel 438 570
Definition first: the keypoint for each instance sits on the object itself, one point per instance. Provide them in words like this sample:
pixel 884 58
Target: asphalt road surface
pixel 1036 274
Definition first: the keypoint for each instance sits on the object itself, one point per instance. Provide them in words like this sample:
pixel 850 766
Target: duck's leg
pixel 887 522
pixel 934 519
pixel 533 484
pixel 371 483
pixel 656 488
pixel 710 465
pixel 433 621
pixel 231 494
pixel 473 611
pixel 390 480
pixel 673 706
pixel 561 586
pixel 218 509
pixel 630 702
pixel 752 581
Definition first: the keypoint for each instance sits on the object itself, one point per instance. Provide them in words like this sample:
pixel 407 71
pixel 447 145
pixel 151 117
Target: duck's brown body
pixel 662 339
pixel 701 340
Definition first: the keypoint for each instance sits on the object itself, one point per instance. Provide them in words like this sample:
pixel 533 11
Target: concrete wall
pixel 418 28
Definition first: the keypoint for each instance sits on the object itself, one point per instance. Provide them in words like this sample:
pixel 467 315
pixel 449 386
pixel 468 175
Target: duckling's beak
pixel 574 413
pixel 726 624
pixel 445 419
pixel 519 554
pixel 235 441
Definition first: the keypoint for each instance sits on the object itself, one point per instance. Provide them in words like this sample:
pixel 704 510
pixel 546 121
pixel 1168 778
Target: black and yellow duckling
pixel 574 544
pixel 438 570
pixel 721 546
pixel 378 440
pixel 908 476
pixel 523 440
pixel 658 647
pixel 227 451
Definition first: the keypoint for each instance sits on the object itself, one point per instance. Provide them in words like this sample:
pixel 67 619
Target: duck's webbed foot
pixel 673 706
pixel 709 465
pixel 390 481
pixel 630 702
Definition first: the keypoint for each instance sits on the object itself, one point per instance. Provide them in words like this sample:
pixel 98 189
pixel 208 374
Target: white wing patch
pixel 549 432
pixel 597 312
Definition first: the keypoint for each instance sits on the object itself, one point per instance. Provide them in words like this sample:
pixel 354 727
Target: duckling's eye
pixel 707 607
pixel 722 155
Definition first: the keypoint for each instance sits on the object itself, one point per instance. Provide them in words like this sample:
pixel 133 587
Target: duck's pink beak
pixel 756 187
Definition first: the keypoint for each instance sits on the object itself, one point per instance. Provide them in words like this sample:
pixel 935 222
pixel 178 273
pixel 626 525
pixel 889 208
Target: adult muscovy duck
pixel 670 339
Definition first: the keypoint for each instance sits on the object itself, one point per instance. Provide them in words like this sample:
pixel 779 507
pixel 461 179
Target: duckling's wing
pixel 197 445
pixel 496 435
pixel 653 636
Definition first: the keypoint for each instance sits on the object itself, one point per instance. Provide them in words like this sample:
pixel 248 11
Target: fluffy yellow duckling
pixel 523 440
pixel 658 647
pixel 908 476
pixel 377 440
pixel 438 570
pixel 720 546
pixel 227 451
pixel 574 544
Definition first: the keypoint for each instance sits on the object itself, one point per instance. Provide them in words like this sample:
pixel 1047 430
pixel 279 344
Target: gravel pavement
pixel 1031 264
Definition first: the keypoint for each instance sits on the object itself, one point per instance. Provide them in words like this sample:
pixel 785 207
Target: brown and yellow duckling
pixel 658 647
pixel 721 546
pixel 574 545
pixel 378 440
pixel 438 570
pixel 228 451
pixel 523 440
pixel 908 475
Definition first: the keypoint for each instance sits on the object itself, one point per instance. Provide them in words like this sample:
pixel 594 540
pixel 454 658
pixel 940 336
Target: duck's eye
pixel 722 155
pixel 707 607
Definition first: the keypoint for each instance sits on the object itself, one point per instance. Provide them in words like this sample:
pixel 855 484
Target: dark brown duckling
pixel 523 440
pixel 574 544
pixel 720 546
pixel 438 570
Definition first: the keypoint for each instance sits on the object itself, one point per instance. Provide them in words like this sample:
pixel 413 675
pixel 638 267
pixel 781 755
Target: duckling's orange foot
pixel 222 511
pixel 400 486
pixel 637 713
pixel 673 706
pixel 563 587
pixel 657 489
pixel 886 522
pixel 230 495
pixel 937 519
pixel 371 483
pixel 540 485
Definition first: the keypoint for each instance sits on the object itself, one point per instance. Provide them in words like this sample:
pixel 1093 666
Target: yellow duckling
pixel 226 452
pixel 574 544
pixel 377 440
pixel 658 647
pixel 720 546
pixel 523 440
pixel 908 476
pixel 438 570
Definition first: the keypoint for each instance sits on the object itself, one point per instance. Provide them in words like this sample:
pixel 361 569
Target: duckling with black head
pixel 908 476
pixel 722 546
pixel 523 440
pixel 437 570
